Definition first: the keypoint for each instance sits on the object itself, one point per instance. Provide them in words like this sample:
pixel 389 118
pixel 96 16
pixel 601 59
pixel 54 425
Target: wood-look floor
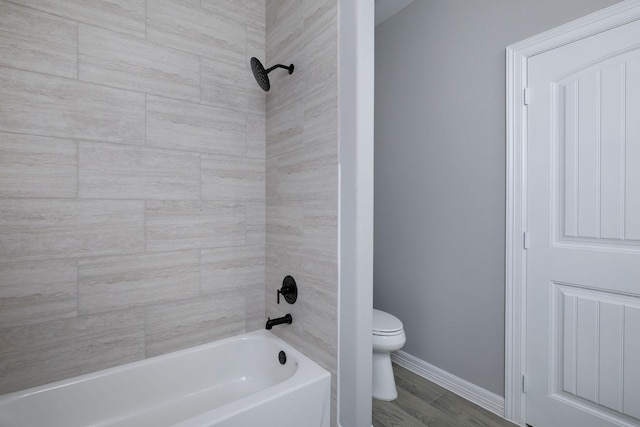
pixel 422 403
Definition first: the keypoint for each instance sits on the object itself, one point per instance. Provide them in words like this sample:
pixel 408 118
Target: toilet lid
pixel 385 323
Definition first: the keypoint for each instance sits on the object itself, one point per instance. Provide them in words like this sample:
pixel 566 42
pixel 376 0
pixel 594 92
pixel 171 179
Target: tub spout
pixel 279 321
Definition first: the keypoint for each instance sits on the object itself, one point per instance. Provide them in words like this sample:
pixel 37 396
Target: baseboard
pixel 478 395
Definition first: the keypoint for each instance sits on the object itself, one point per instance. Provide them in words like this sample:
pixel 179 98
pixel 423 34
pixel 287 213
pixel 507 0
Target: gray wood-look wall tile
pixel 232 178
pixel 33 166
pixel 255 43
pixel 114 171
pixel 320 269
pixel 37 229
pixel 37 41
pixel 319 14
pixel 182 324
pixel 50 351
pixel 232 270
pixel 285 35
pixel 172 225
pixel 308 173
pixel 301 174
pixel 321 116
pixel 53 106
pixel 113 59
pixel 285 224
pixel 104 124
pixel 120 282
pixel 256 223
pixel 188 126
pixel 256 130
pixel 254 302
pixel 187 26
pixel 125 16
pixel 245 11
pixel 41 291
pixel 231 85
pixel 321 227
pixel 285 128
pixel 320 60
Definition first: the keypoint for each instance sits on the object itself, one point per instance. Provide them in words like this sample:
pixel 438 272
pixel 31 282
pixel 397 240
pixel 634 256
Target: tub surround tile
pixel 285 35
pixel 36 41
pixel 38 104
pixel 38 229
pixel 137 65
pixel 256 128
pixel 255 43
pixel 245 11
pixel 232 178
pixel 188 126
pixel 124 16
pixel 302 175
pixel 291 90
pixel 285 225
pixel 233 270
pixel 322 269
pixel 188 27
pixel 182 324
pixel 112 171
pixel 285 129
pixel 34 292
pixel 256 223
pixel 50 351
pixel 33 166
pixel 231 85
pixel 309 173
pixel 318 15
pixel 172 225
pixel 321 228
pixel 121 282
pixel 237 272
pixel 132 180
pixel 320 61
pixel 254 303
pixel 321 116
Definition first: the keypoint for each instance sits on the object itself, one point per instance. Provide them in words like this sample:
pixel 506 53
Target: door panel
pixel 583 264
pixel 595 128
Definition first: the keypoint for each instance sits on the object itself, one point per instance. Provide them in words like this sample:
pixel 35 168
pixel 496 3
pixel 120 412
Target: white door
pixel 583 261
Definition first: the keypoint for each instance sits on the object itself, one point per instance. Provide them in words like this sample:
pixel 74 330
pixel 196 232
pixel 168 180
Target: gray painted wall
pixel 440 174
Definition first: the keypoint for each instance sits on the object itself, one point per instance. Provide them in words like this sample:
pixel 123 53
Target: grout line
pixel 78 51
pixel 77 169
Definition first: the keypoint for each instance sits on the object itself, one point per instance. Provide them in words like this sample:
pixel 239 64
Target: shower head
pixel 261 74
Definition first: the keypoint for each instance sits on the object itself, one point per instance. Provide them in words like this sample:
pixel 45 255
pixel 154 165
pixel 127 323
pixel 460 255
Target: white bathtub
pixel 234 382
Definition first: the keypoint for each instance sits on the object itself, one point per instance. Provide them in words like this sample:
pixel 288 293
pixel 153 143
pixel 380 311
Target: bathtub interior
pixel 159 391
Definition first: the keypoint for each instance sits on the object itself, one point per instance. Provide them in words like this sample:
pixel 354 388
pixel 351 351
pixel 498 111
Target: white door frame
pixel 516 188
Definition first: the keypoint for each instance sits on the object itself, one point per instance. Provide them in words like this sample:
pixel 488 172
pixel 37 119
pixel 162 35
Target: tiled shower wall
pixel 302 174
pixel 132 181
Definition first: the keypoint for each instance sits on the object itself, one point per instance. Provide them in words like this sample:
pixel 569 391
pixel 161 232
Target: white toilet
pixel 388 336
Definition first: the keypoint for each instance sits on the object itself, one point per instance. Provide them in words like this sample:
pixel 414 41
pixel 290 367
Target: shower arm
pixel 270 69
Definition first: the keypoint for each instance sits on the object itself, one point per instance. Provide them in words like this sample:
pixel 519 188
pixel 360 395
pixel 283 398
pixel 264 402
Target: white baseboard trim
pixel 478 395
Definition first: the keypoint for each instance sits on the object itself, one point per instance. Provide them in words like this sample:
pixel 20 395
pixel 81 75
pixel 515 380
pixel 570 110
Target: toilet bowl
pixel 387 336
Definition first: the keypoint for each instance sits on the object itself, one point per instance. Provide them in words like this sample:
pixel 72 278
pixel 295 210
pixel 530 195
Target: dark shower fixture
pixel 261 74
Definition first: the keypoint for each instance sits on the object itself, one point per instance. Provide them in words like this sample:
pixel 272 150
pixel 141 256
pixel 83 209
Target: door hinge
pixel 526 241
pixel 527 96
pixel 525 386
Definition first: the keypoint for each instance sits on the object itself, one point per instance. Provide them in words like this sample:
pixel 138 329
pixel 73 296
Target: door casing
pixel 516 185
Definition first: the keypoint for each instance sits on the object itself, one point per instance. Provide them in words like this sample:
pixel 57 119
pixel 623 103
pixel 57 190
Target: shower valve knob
pixel 289 290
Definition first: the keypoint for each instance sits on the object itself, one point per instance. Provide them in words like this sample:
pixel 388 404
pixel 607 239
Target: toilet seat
pixel 385 324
